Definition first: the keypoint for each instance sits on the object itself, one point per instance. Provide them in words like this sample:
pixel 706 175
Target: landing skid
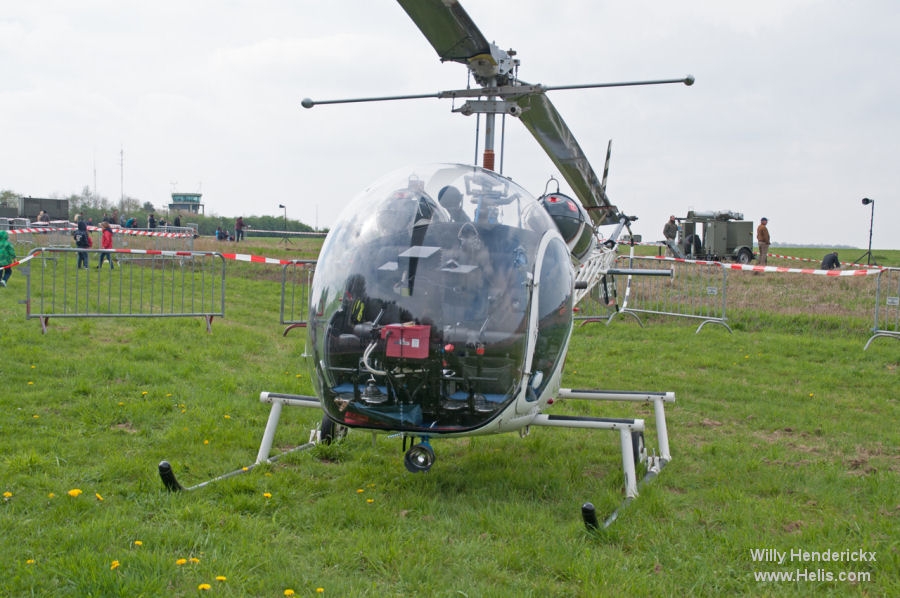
pixel 420 456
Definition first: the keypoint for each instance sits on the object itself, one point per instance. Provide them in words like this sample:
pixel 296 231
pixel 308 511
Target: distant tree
pixel 9 199
pixel 148 207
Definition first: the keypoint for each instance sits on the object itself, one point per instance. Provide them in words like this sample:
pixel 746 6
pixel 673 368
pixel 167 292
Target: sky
pixel 795 113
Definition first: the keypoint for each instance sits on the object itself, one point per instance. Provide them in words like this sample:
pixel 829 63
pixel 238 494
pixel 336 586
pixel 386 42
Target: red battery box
pixel 406 340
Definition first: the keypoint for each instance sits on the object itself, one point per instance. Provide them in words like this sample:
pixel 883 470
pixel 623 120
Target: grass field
pixel 784 437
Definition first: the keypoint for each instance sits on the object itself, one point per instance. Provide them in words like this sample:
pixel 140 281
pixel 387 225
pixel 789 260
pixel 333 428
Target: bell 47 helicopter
pixel 443 299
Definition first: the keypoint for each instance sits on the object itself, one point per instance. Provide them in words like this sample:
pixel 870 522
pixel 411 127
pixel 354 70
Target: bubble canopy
pixel 422 298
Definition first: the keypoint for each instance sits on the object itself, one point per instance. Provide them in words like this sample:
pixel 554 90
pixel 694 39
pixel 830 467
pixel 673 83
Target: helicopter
pixel 443 299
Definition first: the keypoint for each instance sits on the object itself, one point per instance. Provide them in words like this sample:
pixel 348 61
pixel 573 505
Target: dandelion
pixel 35 416
pixel 320 590
pixel 121 403
pixel 204 587
pixel 811 395
pixel 168 394
pixel 267 495
pixel 206 442
pixel 221 578
pixel 138 543
pixel 51 495
pixel 227 416
pixel 180 562
pixel 30 383
pixel 359 490
pixel 100 498
pixel 194 560
pixel 289 592
pixel 144 393
pixel 74 492
pixel 29 562
pixel 370 500
pixel 33 366
pixel 114 565
pixel 7 494
pixel 245 468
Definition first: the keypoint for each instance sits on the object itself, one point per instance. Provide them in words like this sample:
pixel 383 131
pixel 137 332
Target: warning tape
pixel 779 269
pixel 121 231
pixel 240 257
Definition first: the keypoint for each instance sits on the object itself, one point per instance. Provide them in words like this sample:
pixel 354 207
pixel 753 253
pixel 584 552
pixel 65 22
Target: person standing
pixel 762 238
pixel 239 228
pixel 82 241
pixel 7 256
pixel 670 232
pixel 106 242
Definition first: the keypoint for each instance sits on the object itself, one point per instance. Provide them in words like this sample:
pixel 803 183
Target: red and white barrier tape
pixel 779 269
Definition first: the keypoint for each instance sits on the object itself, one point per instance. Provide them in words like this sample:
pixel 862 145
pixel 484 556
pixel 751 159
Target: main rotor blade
pixel 551 132
pixel 448 28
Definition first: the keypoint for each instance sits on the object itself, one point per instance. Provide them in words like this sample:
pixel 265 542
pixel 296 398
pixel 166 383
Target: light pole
pixel 285 235
pixel 866 201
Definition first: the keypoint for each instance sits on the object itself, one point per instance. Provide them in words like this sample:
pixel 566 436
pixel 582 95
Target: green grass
pixel 783 436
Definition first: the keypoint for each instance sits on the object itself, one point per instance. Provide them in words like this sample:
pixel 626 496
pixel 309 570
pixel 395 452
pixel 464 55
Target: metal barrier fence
pixel 133 283
pixel 296 279
pixel 694 290
pixel 887 305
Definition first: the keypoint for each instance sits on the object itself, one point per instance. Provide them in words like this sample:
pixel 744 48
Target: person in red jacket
pixel 106 242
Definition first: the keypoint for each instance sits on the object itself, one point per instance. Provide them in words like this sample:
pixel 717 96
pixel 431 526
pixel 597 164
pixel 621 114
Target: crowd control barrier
pixel 131 283
pixel 887 305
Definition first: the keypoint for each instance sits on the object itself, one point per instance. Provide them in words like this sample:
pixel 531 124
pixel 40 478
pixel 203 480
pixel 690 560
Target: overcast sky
pixel 795 114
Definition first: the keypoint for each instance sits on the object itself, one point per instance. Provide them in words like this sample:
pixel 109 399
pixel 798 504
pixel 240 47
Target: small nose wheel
pixel 419 458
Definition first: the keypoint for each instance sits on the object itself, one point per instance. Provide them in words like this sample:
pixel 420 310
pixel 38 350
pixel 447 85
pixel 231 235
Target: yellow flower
pixel 267 494
pixel 7 495
pixel 227 416
pixel 221 578
pixel 114 565
pixel 138 543
pixel 35 416
pixel 51 495
pixel 320 590
pixel 370 500
pixel 194 560
pixel 168 394
pixel 204 587
pixel 100 498
pixel 121 403
pixel 206 442
pixel 180 562
pixel 289 592
pixel 29 562
pixel 74 492
pixel 30 382
pixel 33 366
pixel 359 490
pixel 144 393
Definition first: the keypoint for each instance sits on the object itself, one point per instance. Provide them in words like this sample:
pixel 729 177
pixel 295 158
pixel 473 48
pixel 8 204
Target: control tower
pixel 187 202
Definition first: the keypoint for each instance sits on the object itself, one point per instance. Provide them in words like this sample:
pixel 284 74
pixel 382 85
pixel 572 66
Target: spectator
pixel 670 232
pixel 831 262
pixel 82 241
pixel 239 228
pixel 106 242
pixel 762 238
pixel 7 256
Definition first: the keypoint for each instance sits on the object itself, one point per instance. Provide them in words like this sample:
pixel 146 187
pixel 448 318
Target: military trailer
pixel 715 236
